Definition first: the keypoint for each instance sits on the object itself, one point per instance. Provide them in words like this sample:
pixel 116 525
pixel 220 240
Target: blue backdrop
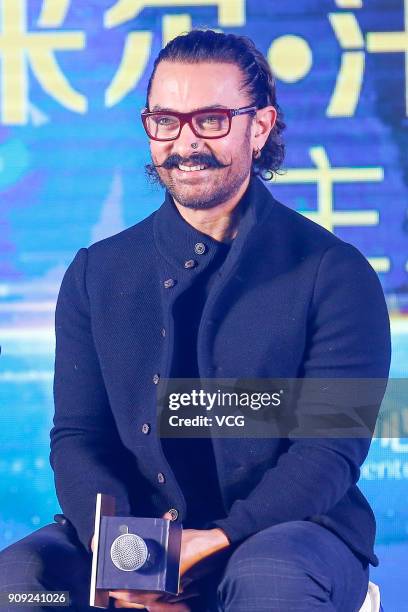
pixel 72 155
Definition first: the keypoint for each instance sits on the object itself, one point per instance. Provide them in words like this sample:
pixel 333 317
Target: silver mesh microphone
pixel 129 552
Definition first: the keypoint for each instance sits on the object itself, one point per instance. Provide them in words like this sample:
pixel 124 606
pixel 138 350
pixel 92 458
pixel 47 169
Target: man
pixel 221 281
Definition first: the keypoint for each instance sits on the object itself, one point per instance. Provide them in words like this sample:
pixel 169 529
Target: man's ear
pixel 264 122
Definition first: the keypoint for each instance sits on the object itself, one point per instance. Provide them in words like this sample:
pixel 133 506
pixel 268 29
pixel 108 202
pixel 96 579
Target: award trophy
pixel 132 553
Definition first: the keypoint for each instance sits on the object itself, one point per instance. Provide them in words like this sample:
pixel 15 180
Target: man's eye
pixel 166 121
pixel 211 119
pixel 211 122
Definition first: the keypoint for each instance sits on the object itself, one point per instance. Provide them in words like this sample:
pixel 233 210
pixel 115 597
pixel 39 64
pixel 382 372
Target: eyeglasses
pixel 209 123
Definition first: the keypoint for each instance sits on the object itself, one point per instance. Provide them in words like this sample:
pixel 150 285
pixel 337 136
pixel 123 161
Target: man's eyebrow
pixel 157 107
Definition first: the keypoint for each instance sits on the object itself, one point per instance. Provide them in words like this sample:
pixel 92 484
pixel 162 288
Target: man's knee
pixel 20 564
pixel 285 539
pixel 45 556
pixel 269 568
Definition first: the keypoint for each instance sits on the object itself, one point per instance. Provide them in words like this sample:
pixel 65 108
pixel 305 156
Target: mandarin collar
pixel 178 242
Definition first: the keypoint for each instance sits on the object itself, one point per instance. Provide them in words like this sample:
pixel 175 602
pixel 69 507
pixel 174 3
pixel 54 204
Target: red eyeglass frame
pixel 188 118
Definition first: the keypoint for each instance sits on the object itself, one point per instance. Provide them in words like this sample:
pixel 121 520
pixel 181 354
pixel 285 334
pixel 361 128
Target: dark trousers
pixel 291 566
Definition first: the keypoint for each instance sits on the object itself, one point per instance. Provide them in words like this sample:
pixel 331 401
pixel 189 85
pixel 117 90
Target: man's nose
pixel 182 145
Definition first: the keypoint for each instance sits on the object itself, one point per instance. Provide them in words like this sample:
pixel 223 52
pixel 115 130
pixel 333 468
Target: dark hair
pixel 258 81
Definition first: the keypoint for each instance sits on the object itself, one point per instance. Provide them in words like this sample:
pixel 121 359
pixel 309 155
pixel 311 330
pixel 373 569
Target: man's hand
pixel 153 602
pixel 198 544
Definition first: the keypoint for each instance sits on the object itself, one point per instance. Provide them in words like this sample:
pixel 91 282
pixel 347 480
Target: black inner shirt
pixel 192 459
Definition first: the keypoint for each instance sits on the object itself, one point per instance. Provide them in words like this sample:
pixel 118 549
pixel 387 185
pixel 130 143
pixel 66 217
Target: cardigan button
pixel 156 379
pixel 200 248
pixel 146 428
pixel 160 478
pixel 163 332
pixel 170 282
pixel 190 263
pixel 173 513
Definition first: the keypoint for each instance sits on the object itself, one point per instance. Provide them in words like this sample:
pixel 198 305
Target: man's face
pixel 187 87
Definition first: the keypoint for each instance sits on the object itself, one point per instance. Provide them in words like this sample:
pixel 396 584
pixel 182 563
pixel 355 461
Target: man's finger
pixel 177 598
pixel 120 603
pixel 128 595
pixel 140 597
pixel 158 606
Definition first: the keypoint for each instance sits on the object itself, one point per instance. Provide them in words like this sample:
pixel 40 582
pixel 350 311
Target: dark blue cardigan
pixel 293 301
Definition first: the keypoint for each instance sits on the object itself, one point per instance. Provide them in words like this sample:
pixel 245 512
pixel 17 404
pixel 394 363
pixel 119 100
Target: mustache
pixel 197 160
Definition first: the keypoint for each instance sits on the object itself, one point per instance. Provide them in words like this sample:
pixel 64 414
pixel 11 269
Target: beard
pixel 222 183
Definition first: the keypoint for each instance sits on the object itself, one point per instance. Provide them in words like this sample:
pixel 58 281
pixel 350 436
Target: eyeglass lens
pixel 163 125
